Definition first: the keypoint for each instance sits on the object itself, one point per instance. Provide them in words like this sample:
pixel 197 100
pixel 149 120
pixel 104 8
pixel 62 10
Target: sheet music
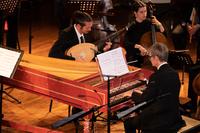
pixel 8 60
pixel 112 63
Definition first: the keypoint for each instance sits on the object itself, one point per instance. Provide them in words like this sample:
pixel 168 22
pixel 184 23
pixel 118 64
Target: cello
pixel 153 37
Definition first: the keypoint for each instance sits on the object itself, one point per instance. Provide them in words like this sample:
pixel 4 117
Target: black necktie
pixel 82 39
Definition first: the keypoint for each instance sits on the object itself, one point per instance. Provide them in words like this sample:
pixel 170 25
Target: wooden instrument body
pixel 40 75
pixel 78 87
pixel 67 82
pixel 146 40
pixel 116 85
pixel 84 52
pixel 150 38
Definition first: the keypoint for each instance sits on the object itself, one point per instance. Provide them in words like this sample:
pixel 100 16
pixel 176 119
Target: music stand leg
pixel 12 97
pixel 93 120
pixel 99 115
pixel 18 23
pixel 108 107
pixel 183 69
pixel 50 105
pixel 183 72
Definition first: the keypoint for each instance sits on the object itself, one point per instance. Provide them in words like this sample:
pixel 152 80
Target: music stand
pixel 9 59
pixel 108 104
pixel 179 59
pixel 76 116
pixel 111 64
pixel 92 7
pixel 7 8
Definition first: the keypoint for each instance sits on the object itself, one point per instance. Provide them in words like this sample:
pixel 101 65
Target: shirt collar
pixel 78 34
pixel 161 65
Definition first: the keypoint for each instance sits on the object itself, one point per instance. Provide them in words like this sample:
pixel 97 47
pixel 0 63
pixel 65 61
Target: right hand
pixel 107 47
pixel 193 29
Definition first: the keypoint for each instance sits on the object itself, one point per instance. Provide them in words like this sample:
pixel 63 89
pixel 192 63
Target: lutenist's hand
pixel 107 47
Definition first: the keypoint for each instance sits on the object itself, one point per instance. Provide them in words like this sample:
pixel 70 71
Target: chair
pixel 192 125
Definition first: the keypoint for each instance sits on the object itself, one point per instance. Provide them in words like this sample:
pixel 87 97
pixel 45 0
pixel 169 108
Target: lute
pixel 86 52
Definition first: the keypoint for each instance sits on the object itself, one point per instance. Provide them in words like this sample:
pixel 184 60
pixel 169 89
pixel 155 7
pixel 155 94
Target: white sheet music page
pixel 8 60
pixel 112 63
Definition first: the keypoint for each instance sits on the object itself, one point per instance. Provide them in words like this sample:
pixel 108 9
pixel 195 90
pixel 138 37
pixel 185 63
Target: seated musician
pixel 194 32
pixel 162 115
pixel 140 25
pixel 71 36
pixel 186 23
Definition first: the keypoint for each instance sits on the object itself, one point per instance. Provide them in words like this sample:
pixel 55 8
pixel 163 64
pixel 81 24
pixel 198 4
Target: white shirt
pixel 78 34
pixel 161 65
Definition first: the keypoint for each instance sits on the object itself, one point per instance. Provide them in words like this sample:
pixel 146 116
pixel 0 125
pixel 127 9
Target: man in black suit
pixel 75 34
pixel 161 116
pixel 194 32
pixel 69 37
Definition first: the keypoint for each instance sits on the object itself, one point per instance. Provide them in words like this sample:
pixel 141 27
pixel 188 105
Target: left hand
pixel 108 46
pixel 157 23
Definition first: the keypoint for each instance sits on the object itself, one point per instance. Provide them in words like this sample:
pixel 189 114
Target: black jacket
pixel 163 113
pixel 67 39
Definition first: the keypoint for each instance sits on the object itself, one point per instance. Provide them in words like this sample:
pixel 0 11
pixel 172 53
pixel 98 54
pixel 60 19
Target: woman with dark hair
pixel 140 25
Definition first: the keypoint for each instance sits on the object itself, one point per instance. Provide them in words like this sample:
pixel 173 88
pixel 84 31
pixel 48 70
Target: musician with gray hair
pixel 75 35
pixel 162 115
